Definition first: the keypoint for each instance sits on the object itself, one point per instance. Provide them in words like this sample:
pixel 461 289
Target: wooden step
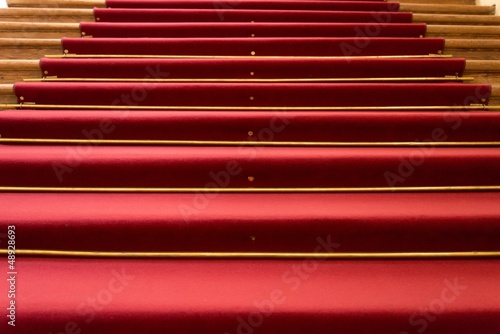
pixel 57 3
pixel 479 66
pixel 16 70
pixel 442 2
pixel 483 71
pixel 463 31
pixel 7 94
pixel 39 30
pixel 480 49
pixel 495 95
pixel 457 19
pixel 101 3
pixel 55 15
pixel 448 9
pixel 20 48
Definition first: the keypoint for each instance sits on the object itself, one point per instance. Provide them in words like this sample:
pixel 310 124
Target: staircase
pixel 259 180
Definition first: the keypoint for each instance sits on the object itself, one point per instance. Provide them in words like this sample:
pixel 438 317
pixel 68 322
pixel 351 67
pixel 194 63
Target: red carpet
pixel 191 167
pixel 266 68
pixel 243 29
pixel 147 296
pixel 252 95
pixel 237 15
pixel 255 46
pixel 378 6
pixel 427 222
pixel 287 166
pixel 269 127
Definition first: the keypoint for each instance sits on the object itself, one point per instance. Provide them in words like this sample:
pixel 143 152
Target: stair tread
pixel 217 296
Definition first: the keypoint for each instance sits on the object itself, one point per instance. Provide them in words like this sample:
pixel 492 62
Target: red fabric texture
pixel 359 297
pixel 236 15
pixel 110 296
pixel 266 126
pixel 242 29
pixel 251 68
pixel 377 6
pixel 93 166
pixel 254 46
pixel 426 222
pixel 251 95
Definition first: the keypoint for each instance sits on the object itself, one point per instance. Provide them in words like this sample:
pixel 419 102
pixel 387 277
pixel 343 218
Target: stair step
pixel 57 3
pixel 14 48
pixel 227 296
pixel 463 31
pixel 21 48
pixel 55 15
pixel 60 30
pixel 17 70
pixel 76 15
pixel 457 19
pixel 39 30
pixel 483 71
pixel 101 3
pixel 479 49
pixel 448 9
pixel 7 94
pixel 442 2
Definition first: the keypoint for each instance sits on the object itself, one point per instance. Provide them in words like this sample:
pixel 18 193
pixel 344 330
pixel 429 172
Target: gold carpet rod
pixel 251 56
pixel 252 80
pixel 255 255
pixel 30 105
pixel 50 141
pixel 251 190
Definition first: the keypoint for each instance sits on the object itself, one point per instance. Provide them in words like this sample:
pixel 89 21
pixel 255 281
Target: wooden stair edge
pixel 39 30
pixel 483 66
pixel 440 19
pixel 444 2
pixel 28 42
pixel 55 15
pixel 448 9
pixel 57 3
pixel 463 29
pixel 7 95
pixel 14 70
pixel 6 89
pixel 29 48
pixel 38 25
pixel 45 11
pixel 19 64
pixel 472 43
